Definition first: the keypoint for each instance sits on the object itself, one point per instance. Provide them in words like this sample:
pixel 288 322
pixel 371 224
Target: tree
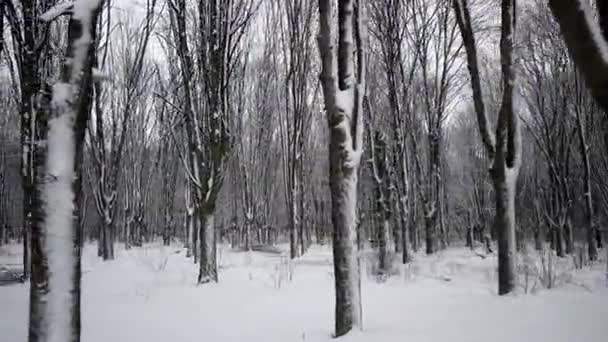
pixel 208 107
pixel 56 245
pixel 504 146
pixel 34 65
pixel 114 108
pixel 547 92
pixel 387 22
pixel 587 43
pixel 297 35
pixel 343 84
pixel 434 35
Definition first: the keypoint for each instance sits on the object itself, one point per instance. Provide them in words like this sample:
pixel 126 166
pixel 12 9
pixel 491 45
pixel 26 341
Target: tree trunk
pixel 56 238
pixel 504 187
pixel 207 265
pixel 107 242
pixel 39 280
pixel 503 147
pixel 558 241
pixel 293 231
pixel 429 230
pixel 189 232
pixel 569 238
pixel 538 245
pixel 343 104
pixel 383 250
pixel 343 184
pixel 589 221
pixel 196 224
pixel 405 234
pixel 300 201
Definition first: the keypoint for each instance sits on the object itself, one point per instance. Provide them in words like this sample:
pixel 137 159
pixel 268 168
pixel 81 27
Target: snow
pixel 57 10
pixel 57 193
pixel 99 75
pixel 59 199
pixel 150 294
pixel 596 33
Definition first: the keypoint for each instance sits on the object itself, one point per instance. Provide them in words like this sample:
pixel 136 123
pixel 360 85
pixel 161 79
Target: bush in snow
pixel 544 270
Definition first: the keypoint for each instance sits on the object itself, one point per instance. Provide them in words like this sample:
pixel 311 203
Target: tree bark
pixel 207 264
pixel 504 148
pixel 48 309
pixel 343 94
pixel 504 185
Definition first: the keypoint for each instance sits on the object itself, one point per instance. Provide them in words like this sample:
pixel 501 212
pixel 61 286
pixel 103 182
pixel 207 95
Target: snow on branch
pixel 596 32
pixel 99 75
pixel 58 195
pixel 63 8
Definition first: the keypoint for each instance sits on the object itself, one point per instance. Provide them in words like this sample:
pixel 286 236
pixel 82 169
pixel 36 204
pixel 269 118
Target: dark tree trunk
pixel 195 238
pixel 538 245
pixel 429 231
pixel 504 187
pixel 569 238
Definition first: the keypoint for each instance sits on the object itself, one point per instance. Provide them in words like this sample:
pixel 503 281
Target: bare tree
pixel 55 286
pixel 387 25
pixel 343 84
pixel 297 41
pixel 434 35
pixel 545 75
pixel 34 66
pixel 120 102
pixel 504 147
pixel 207 113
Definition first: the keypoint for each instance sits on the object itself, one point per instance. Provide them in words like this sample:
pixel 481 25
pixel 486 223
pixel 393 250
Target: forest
pixel 289 170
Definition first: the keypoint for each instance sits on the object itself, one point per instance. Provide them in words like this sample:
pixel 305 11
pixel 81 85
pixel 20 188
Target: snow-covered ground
pixel 149 295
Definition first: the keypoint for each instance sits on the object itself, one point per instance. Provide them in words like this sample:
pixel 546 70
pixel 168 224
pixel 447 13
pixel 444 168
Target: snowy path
pixel 148 295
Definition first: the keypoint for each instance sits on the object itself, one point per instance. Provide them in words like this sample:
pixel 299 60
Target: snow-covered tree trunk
pixel 587 186
pixel 503 147
pixel 190 243
pixel 379 164
pixel 343 84
pixel 55 282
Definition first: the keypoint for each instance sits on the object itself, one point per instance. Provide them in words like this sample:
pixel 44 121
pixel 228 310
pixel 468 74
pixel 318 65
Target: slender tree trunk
pixel 300 201
pixel 430 219
pixel 383 248
pixel 190 232
pixel 569 237
pixel 405 234
pixel 107 242
pixel 558 236
pixel 207 265
pixel 39 267
pixel 196 224
pixel 293 231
